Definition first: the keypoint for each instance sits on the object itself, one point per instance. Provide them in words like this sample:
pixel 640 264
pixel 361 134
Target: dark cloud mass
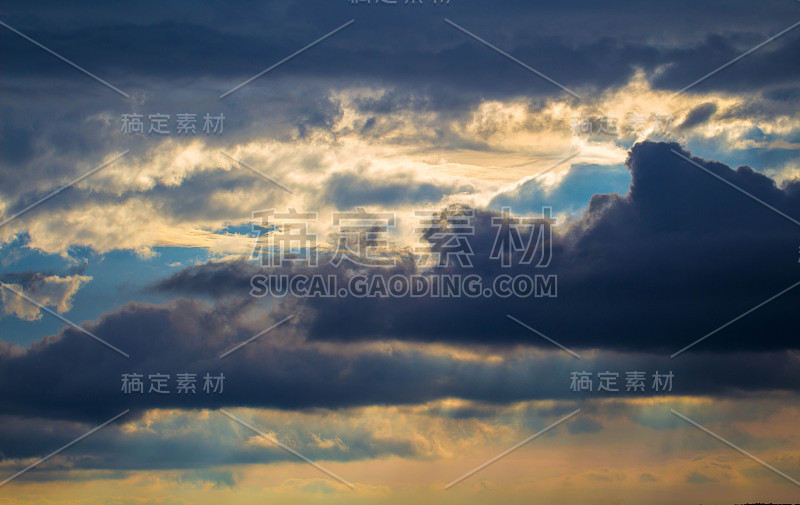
pixel 75 378
pixel 699 115
pixel 645 271
pixel 583 44
pixel 640 276
pixel 670 263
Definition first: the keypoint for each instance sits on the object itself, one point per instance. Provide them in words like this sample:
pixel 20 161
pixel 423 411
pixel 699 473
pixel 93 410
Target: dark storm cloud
pixel 73 377
pixel 677 236
pixel 51 139
pixel 216 279
pixel 581 44
pixel 54 119
pixel 43 143
pixel 451 59
pixel 640 276
pixel 774 67
pixel 653 270
pixel 698 115
pixel 580 19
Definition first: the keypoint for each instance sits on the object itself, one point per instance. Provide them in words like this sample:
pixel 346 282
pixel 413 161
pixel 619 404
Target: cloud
pixel 677 230
pixel 646 477
pixel 217 478
pixel 283 370
pixel 584 425
pixel 570 196
pixel 169 440
pixel 698 115
pixel 699 478
pixel 351 190
pixel 49 290
pixel 400 111
pixel 565 44
pixel 309 135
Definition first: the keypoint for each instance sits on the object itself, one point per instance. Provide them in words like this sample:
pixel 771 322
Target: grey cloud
pixel 698 478
pixel 206 44
pixel 677 234
pixel 173 444
pixel 70 376
pixel 346 190
pixel 698 115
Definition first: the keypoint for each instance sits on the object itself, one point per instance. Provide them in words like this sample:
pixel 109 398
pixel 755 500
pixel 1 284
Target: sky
pixel 381 252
